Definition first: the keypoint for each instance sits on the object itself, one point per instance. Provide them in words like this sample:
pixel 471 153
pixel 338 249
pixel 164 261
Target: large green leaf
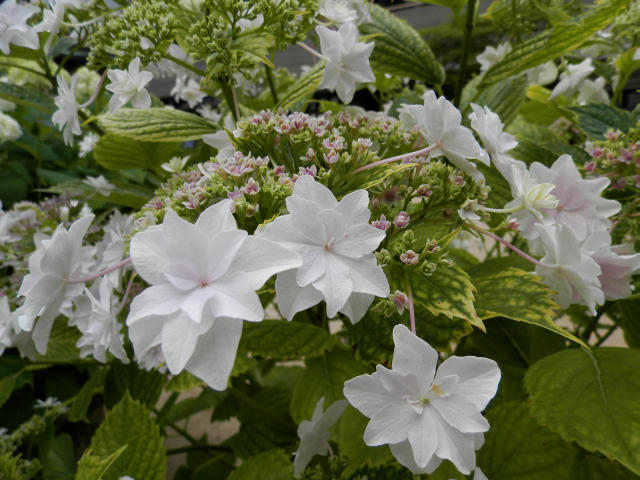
pixel 591 397
pixel 92 467
pixel 123 153
pixel 520 296
pixel 370 178
pixel 625 314
pixel 156 124
pixel 301 89
pixel 399 49
pixel 550 44
pixel 270 465
pixel 448 291
pixel 128 379
pixel 80 404
pixel 596 118
pixel 130 423
pixel 62 344
pixel 504 98
pixel 26 96
pixel 517 448
pixel 282 339
pixel 589 466
pixel 324 376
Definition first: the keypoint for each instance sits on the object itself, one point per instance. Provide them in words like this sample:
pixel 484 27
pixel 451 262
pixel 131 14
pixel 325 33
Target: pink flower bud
pixel 401 220
pixel 381 224
pixel 409 257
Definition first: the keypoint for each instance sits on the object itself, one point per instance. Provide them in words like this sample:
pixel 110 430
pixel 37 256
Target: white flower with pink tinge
pixel 336 243
pixel 426 415
pixel 204 278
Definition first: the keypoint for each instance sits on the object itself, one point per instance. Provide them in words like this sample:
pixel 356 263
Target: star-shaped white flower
pixel 53 17
pixel 14 28
pixel 314 434
pixel 439 123
pixel 347 60
pixel 340 12
pixel 87 143
pixel 203 280
pixel 66 117
pixel 542 74
pixel 574 277
pixel 188 90
pixel 572 78
pixel 129 86
pixel 100 184
pixel 51 265
pixel 336 243
pixel 593 91
pixel 426 415
pixel 492 55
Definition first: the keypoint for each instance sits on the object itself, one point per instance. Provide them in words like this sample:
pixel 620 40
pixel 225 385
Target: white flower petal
pixel 413 355
pixel 478 378
pixel 292 298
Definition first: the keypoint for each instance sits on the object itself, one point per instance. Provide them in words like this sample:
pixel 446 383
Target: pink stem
pixel 96 92
pixel 311 50
pixel 102 273
pixel 412 314
pixel 127 291
pixel 397 158
pixel 516 249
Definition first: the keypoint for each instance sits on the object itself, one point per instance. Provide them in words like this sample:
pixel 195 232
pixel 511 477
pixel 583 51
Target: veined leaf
pixel 562 38
pixel 130 380
pixel 302 88
pixel 92 467
pixel 28 97
pixel 517 448
pixel 590 397
pixel 400 50
pixel 371 178
pixel 282 339
pixel 62 344
pixel 596 118
pixel 123 153
pixel 269 465
pixel 520 296
pixel 504 98
pixel 156 124
pixel 130 423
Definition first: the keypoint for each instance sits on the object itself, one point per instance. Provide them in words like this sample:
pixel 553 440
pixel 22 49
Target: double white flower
pixel 129 86
pixel 335 241
pixel 14 28
pixel 425 415
pixel 203 280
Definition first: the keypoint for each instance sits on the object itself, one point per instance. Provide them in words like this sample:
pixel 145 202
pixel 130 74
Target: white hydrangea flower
pixel 52 18
pixel 14 28
pixel 347 60
pixel 203 280
pixel 340 12
pixel 8 219
pixel 336 243
pixel 529 194
pixel 129 86
pixel 100 184
pixel 426 415
pixel 6 324
pixel 220 140
pixel 246 24
pixel 46 289
pixel 87 143
pixel 574 277
pixel 210 113
pixel 572 78
pixel 188 90
pixel 314 434
pixel 175 165
pixel 593 91
pixel 492 55
pixel 66 117
pixel 10 129
pixel 542 74
pixel 439 123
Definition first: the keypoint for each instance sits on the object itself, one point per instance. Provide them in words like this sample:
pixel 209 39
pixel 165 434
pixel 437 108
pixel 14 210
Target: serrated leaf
pixel 282 339
pixel 115 152
pixel 128 379
pixel 448 291
pixel 156 124
pixel 590 397
pixel 324 376
pixel 302 88
pixel 25 96
pixel 270 465
pixel 130 423
pixel 560 39
pixel 504 98
pixel 182 382
pixel 92 467
pixel 589 466
pixel 520 296
pixel 62 344
pixel 517 448
pixel 400 50
pixel 594 119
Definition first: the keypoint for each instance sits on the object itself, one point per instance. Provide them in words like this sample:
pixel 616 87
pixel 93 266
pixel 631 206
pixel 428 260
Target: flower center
pixel 329 244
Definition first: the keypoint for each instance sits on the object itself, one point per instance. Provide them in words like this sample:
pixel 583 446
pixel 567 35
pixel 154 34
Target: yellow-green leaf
pixel 116 152
pixel 302 88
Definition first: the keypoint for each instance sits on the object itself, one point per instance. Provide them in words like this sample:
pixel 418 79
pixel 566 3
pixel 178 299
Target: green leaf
pixel 520 296
pixel 588 466
pixel 156 124
pixel 92 467
pixel 182 382
pixel 7 385
pixel 504 98
pixel 590 397
pixel 144 386
pixel 370 178
pixel 301 89
pixel 130 423
pixel 270 465
pixel 185 408
pixel 282 339
pixel 596 118
pixel 448 291
pixel 399 49
pixel 62 344
pixel 122 153
pixel 60 461
pixel 27 97
pixel 324 376
pixel 625 314
pixel 80 404
pixel 454 5
pixel 560 39
pixel 517 448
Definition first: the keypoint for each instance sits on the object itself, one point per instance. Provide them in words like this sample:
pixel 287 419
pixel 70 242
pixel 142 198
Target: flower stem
pixel 184 64
pixel 95 94
pixel 512 247
pixel 228 98
pixel 102 273
pixel 271 83
pixel 127 291
pixel 500 210
pixel 412 314
pixel 234 97
pixel 311 50
pixel 404 156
